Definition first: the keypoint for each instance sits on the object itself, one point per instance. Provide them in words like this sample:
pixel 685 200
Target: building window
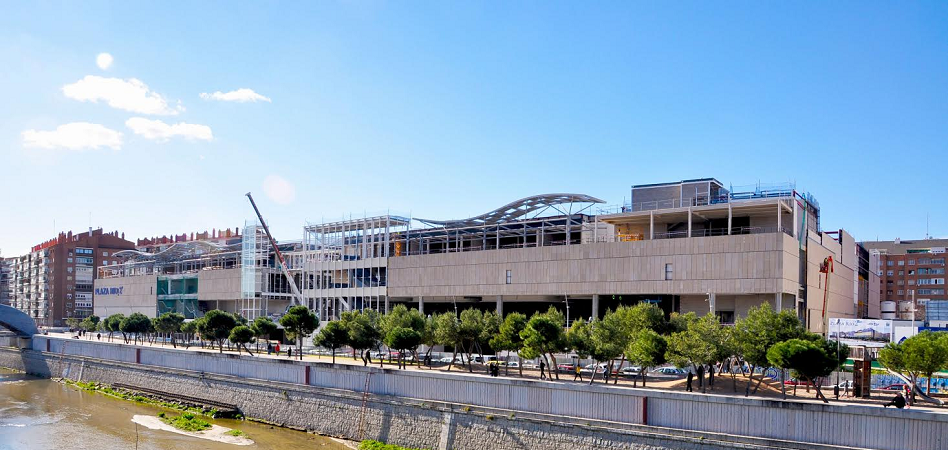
pixel 911 272
pixel 669 271
pixel 939 261
pixel 911 262
pixel 901 292
pixel 889 273
pixel 901 282
pixel 888 263
pixel 725 316
pixel 901 273
pixel 105 253
pixel 68 260
pixel 509 276
pixel 69 269
pixel 901 263
pixel 911 282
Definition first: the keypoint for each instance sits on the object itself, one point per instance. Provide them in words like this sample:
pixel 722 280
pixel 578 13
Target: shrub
pixel 376 445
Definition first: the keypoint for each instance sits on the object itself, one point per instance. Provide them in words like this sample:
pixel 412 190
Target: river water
pixel 43 414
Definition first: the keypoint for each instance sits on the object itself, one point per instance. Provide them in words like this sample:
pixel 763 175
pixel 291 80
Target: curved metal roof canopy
pixel 177 251
pixel 519 209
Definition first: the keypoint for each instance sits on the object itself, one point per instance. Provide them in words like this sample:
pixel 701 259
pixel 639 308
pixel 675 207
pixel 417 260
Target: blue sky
pixel 447 110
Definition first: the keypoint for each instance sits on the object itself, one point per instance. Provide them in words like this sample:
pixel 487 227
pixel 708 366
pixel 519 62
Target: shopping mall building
pixel 693 245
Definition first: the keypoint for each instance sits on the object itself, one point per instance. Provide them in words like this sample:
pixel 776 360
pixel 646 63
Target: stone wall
pixel 339 413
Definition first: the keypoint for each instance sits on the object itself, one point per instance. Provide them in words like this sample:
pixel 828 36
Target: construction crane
pixel 297 297
pixel 826 267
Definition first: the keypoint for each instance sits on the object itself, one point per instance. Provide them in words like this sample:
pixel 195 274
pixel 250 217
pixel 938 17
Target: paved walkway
pixel 724 385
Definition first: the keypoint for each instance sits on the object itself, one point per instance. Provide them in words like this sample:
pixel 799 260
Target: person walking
pixel 691 377
pixel 98 336
pixel 289 352
pixel 542 370
pixel 701 377
pixel 269 348
pixel 711 376
pixel 579 373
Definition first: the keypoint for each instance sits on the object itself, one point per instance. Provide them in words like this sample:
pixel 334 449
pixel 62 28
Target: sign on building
pixel 867 332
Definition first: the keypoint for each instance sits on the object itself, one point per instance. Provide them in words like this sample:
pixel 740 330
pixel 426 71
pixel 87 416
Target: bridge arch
pixel 17 321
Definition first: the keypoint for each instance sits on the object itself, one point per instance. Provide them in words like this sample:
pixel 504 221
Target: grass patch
pixel 187 422
pixel 376 445
pixel 236 433
pixel 125 395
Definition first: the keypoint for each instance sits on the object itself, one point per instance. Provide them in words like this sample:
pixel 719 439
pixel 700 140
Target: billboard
pixel 867 332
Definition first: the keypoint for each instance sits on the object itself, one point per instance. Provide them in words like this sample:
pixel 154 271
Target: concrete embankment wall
pixel 437 410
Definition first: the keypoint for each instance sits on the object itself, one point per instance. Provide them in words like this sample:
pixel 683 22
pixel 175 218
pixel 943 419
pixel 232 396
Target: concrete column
pixel 778 300
pixel 500 306
pixel 386 305
pixel 595 306
pixel 421 304
pixel 779 215
pixel 711 301
pixel 793 207
pixel 689 221
pixel 651 225
pixel 730 218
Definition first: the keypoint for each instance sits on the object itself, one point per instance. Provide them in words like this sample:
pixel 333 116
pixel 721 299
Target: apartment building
pixel 6 280
pixel 911 273
pixel 55 280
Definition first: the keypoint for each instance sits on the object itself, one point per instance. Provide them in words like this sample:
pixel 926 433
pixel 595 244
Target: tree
pixel 610 337
pixel 810 358
pixel 189 329
pixel 263 327
pixel 756 333
pixel 332 336
pixel 508 336
pixel 544 335
pixel 112 324
pixel 579 338
pixel 363 330
pixel 299 322
pixel 922 354
pixel 642 316
pixel 170 323
pixel 429 337
pixel 402 330
pixel 647 350
pixel 699 344
pixel 73 323
pixel 241 335
pixel 447 333
pixel 135 324
pixel 470 329
pixel 216 326
pixel 90 323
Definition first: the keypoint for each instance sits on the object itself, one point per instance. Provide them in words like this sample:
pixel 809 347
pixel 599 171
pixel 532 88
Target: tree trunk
pixel 644 372
pixel 520 364
pixel 556 370
pixel 621 362
pixel 454 356
pixel 747 389
pixel 595 371
pixel 334 356
pixel 819 393
pixel 759 380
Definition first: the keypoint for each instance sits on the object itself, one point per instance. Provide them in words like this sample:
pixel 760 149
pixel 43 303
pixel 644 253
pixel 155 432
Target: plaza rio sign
pixel 109 290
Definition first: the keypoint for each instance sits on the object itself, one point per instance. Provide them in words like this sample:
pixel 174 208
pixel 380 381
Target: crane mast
pixel 297 297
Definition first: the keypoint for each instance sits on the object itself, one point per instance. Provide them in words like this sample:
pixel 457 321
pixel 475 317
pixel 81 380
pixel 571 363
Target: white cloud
pixel 104 61
pixel 129 95
pixel 74 136
pixel 157 130
pixel 279 190
pixel 241 95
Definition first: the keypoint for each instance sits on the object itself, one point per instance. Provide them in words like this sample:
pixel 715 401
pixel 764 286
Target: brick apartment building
pixel 911 273
pixel 55 280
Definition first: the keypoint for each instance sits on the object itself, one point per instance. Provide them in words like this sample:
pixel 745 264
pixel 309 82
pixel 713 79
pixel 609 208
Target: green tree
pixel 699 344
pixel 610 338
pixel 263 328
pixel 189 329
pixel 363 329
pixel 90 323
pixel 642 316
pixel 241 335
pixel 544 335
pixel 73 323
pixel 447 333
pixel 470 329
pixel 113 324
pixel 809 358
pixel 922 354
pixel 216 326
pixel 332 336
pixel 762 328
pixel 136 325
pixel 508 337
pixel 169 323
pixel 646 350
pixel 429 337
pixel 402 330
pixel 299 322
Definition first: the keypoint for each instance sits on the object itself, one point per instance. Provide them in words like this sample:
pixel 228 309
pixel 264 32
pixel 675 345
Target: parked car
pixel 446 360
pixel 566 367
pixel 631 370
pixel 895 387
pixel 670 371
pixel 513 364
pixel 794 382
pixel 600 368
pixel 531 365
pixel 846 384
